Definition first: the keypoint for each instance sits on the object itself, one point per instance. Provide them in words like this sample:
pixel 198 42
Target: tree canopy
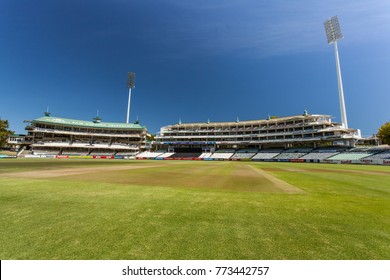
pixel 384 133
pixel 4 132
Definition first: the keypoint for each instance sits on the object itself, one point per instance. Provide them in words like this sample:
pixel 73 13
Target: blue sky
pixel 194 60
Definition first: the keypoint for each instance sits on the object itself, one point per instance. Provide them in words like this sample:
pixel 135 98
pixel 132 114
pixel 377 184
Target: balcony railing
pixel 56 131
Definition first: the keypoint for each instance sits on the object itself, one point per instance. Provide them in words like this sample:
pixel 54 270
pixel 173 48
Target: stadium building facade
pixel 304 130
pixel 55 136
pixel 300 138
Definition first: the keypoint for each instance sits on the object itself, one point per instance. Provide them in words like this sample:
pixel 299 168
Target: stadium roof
pixel 249 122
pixel 90 124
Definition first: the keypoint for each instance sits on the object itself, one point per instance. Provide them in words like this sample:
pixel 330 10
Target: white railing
pixel 72 132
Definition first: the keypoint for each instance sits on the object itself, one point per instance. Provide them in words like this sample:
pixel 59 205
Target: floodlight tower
pixel 130 86
pixel 333 33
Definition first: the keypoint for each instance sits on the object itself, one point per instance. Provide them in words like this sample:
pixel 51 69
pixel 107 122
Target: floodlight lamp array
pixel 333 30
pixel 131 80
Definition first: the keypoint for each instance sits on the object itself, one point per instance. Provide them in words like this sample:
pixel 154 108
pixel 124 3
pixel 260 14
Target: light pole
pixel 333 34
pixel 130 85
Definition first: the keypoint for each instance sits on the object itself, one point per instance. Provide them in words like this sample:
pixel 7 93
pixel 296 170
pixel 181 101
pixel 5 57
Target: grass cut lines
pixel 229 176
pixel 52 173
pixel 282 185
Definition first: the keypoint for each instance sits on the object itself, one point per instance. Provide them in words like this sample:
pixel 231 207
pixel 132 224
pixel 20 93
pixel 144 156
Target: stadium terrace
pixel 300 138
pixel 304 130
pixel 68 137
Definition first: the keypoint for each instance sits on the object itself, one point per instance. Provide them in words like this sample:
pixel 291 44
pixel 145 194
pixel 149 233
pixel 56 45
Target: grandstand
pixel 185 155
pixel 353 154
pixel 205 155
pixel 304 138
pixel 292 154
pixel 384 154
pixel 53 136
pixel 370 155
pixel 265 155
pixel 319 154
pixel 300 131
pixel 149 155
pixel 223 154
pixel 244 154
pixel 164 155
pixel 363 153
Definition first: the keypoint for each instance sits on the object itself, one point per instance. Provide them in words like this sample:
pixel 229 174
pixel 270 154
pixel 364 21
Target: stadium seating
pixel 122 146
pixel 79 144
pixel 266 154
pixel 205 155
pixel 319 155
pixel 293 154
pixel 248 150
pixel 149 155
pixel 56 144
pixel 66 152
pixel 225 151
pixel 102 153
pixel 185 155
pixel 165 155
pixel 381 154
pixel 350 155
pixel 125 153
pixel 287 155
pixel 45 152
pixel 221 155
pixel 243 155
pixel 101 145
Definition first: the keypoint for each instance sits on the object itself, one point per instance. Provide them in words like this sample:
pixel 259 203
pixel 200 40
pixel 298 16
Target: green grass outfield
pixel 113 209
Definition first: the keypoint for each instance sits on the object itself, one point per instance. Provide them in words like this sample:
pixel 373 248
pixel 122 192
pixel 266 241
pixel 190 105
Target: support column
pixel 128 106
pixel 340 86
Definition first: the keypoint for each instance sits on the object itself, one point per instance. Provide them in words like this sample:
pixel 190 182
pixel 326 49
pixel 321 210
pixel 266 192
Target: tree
pixel 4 132
pixel 384 133
pixel 150 137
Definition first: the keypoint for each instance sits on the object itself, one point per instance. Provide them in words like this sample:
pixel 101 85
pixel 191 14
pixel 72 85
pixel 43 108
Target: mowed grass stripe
pixel 43 165
pixel 227 176
pixel 280 184
pixel 340 216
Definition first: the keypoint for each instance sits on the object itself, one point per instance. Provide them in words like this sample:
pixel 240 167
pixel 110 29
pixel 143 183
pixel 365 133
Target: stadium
pixel 244 190
pixel 299 138
pixel 61 137
pixel 281 188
